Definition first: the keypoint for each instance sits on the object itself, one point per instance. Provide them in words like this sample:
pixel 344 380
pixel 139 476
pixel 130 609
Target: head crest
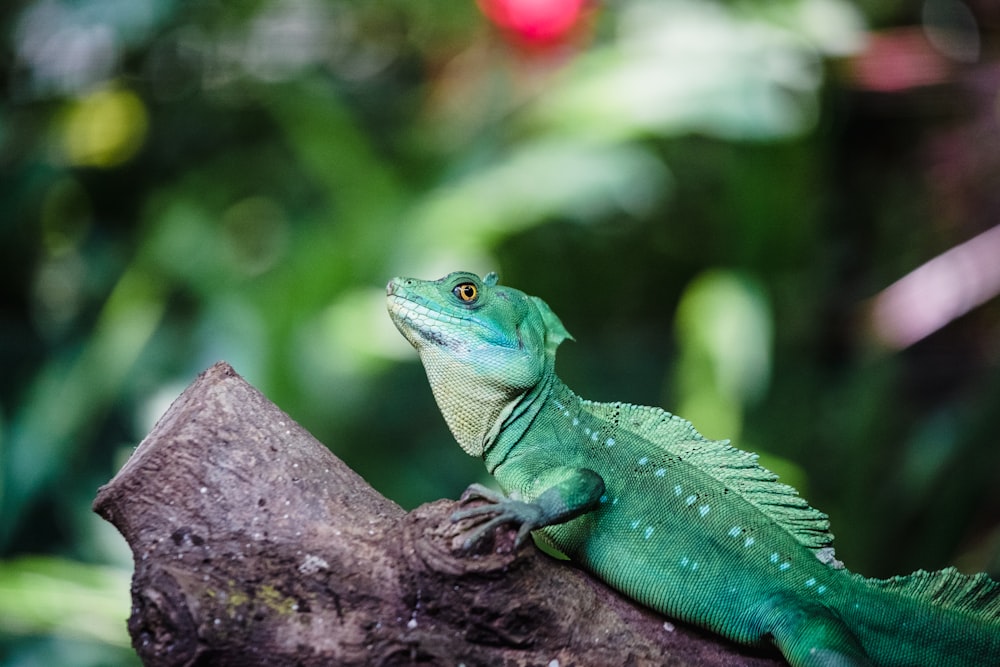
pixel 555 332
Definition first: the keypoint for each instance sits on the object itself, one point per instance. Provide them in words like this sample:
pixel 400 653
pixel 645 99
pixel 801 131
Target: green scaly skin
pixel 690 527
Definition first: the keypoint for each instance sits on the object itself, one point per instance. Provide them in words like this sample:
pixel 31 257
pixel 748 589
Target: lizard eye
pixel 466 292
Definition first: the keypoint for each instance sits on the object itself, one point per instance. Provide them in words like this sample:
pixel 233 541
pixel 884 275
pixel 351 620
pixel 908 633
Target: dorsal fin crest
pixel 734 468
pixel 977 594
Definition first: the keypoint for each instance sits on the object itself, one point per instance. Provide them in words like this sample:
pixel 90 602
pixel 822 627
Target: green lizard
pixel 691 527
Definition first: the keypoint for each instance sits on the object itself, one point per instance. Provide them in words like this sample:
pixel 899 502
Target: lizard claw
pixel 501 510
pixel 480 492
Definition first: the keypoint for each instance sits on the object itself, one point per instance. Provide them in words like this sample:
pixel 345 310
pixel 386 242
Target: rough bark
pixel 255 545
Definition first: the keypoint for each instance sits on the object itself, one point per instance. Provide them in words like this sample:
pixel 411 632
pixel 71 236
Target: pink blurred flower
pixel 534 21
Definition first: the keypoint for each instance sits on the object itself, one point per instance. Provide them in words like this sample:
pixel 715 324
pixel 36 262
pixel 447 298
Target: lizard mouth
pixel 417 322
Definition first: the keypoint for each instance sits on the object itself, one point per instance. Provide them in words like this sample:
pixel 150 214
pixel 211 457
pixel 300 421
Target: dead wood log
pixel 255 545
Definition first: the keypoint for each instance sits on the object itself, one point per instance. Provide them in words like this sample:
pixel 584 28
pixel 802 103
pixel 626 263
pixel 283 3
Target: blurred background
pixel 776 218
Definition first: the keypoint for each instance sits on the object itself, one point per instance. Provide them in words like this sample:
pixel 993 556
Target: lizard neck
pixel 474 411
pixel 520 416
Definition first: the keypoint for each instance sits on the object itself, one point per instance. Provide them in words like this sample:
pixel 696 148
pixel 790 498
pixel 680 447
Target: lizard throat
pixel 474 411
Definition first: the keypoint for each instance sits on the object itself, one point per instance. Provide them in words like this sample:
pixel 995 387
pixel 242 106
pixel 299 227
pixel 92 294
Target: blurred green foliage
pixel 708 194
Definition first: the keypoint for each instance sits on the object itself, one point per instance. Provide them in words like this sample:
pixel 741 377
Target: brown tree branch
pixel 255 545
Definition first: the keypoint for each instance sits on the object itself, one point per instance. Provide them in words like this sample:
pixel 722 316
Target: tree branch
pixel 254 544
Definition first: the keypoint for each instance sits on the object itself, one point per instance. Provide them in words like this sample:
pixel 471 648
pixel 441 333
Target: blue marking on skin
pixel 648 532
pixel 610 442
pixel 690 500
pixel 661 472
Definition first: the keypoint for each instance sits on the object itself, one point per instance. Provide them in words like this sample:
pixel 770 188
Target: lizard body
pixel 691 527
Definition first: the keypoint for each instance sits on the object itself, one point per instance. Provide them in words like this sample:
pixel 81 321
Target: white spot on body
pixel 595 436
pixel 644 460
pixel 775 557
pixel 678 490
pixel 576 422
pixel 635 524
pixel 610 442
pixel 703 510
pixel 784 566
pixel 735 531
pixel 661 472
pixel 668 626
pixel 648 532
pixel 687 562
pixel 747 543
pixel 821 589
pixel 690 500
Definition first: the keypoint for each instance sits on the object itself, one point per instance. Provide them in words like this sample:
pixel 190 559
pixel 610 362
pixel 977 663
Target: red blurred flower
pixel 534 21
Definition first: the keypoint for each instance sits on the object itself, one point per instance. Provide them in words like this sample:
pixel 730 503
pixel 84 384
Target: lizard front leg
pixel 569 492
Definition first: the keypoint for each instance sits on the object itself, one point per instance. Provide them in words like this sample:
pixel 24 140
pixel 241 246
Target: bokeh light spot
pixel 256 234
pixel 104 129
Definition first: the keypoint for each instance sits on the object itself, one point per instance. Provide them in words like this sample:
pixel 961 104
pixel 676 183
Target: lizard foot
pixel 501 510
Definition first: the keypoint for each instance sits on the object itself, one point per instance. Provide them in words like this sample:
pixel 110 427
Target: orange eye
pixel 467 292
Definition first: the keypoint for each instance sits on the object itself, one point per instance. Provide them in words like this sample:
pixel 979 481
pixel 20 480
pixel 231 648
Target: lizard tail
pixel 940 618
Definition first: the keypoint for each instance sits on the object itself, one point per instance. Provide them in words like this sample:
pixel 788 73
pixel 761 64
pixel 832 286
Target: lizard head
pixel 482 345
